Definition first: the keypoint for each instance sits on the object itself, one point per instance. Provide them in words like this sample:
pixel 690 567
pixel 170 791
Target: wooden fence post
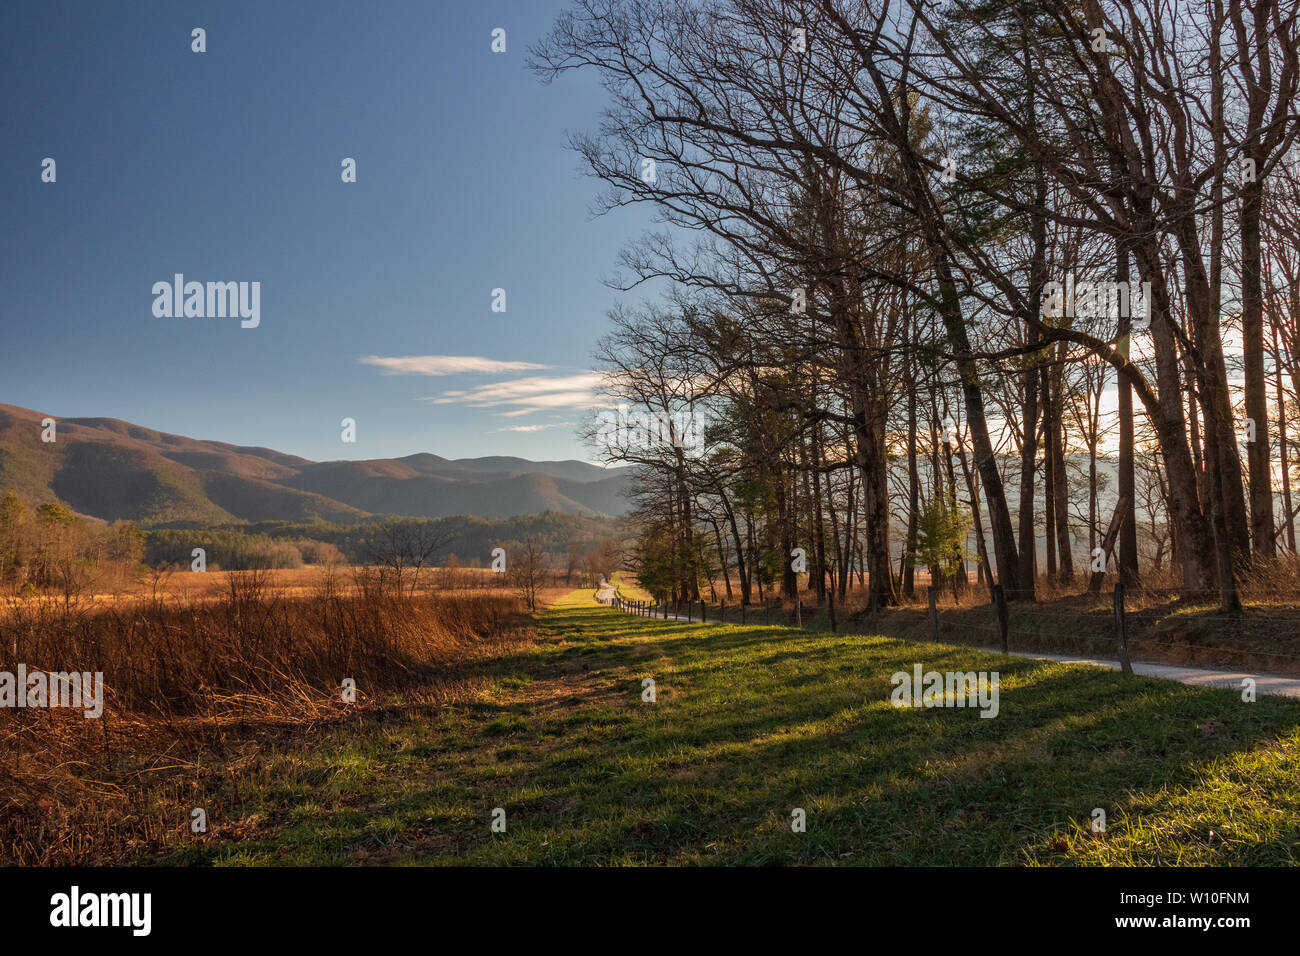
pixel 934 617
pixel 1000 606
pixel 1120 637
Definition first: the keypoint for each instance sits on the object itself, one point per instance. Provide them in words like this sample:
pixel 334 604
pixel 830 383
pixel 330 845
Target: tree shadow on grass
pixel 896 786
pixel 740 738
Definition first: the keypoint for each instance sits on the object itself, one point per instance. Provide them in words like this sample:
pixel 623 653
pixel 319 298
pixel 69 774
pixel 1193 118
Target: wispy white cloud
pixel 533 428
pixel 445 364
pixel 533 393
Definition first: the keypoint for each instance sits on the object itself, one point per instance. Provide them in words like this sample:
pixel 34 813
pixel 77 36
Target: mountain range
pixel 109 469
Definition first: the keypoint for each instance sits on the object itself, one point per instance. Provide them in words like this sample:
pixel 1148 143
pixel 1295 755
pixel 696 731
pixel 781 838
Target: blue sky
pixel 225 166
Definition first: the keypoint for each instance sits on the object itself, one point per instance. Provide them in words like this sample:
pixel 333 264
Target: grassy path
pixel 751 723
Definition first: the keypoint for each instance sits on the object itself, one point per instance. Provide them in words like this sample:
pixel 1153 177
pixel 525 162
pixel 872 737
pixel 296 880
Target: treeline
pixel 463 541
pixel 932 267
pixel 50 548
pixel 228 549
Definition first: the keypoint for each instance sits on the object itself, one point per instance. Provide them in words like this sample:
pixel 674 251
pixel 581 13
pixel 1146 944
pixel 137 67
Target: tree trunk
pixel 1004 543
pixel 1028 465
pixel 1128 542
pixel 1061 489
pixel 1252 323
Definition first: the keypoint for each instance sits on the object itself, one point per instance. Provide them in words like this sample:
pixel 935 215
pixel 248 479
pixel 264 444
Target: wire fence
pixel 1109 628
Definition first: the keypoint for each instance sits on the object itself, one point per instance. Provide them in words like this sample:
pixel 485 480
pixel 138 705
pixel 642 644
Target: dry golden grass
pixel 289 582
pixel 198 687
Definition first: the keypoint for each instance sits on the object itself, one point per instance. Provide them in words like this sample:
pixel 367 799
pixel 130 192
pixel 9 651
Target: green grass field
pixel 753 722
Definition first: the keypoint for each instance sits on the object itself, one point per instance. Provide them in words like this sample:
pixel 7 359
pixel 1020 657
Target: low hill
pixel 109 469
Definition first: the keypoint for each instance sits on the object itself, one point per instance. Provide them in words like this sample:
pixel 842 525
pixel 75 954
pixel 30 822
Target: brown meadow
pixel 203 678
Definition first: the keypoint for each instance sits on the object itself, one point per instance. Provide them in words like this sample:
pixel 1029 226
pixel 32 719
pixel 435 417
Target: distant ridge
pixel 110 469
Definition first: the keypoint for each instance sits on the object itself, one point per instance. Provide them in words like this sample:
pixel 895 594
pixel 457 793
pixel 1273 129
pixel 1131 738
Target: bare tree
pixel 527 570
pixel 403 547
